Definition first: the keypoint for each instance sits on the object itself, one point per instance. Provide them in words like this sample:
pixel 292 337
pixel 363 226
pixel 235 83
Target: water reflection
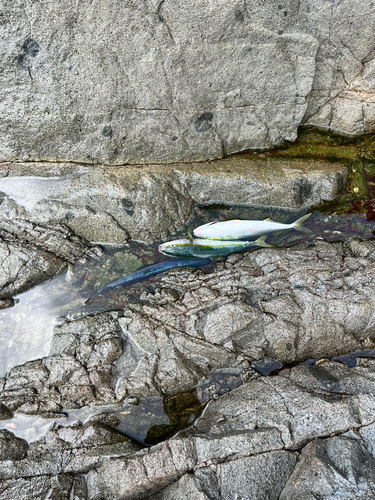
pixel 150 421
pixel 26 330
pixel 28 191
pixel 154 419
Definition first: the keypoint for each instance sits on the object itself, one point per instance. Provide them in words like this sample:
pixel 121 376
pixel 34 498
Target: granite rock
pixel 334 468
pixel 73 449
pixel 247 442
pixel 153 82
pixel 61 487
pixel 308 431
pixel 78 372
pixel 60 207
pixel 306 302
pixel 54 466
pixel 11 447
pixel 311 301
pixel 149 82
pixel 22 267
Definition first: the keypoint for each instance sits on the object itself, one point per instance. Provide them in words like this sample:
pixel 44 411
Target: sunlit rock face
pixel 137 82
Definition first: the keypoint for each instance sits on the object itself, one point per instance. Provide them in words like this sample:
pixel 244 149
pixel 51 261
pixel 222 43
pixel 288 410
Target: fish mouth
pixel 164 249
pixel 165 252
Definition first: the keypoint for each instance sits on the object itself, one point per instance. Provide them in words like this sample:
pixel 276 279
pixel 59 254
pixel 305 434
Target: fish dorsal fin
pixel 268 220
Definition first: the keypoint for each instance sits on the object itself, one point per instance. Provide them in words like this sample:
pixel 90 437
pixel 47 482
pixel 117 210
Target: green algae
pixel 356 153
pixel 320 144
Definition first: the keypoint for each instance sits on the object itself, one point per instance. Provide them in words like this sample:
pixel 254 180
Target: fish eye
pixel 173 246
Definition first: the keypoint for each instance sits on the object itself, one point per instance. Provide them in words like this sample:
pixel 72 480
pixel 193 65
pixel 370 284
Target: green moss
pixel 357 185
pixel 315 143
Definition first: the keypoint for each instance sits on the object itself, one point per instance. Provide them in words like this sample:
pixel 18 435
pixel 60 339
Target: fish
pixel 148 272
pixel 204 248
pixel 237 229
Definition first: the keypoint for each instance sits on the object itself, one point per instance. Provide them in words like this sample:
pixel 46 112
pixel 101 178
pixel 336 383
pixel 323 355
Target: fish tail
pixel 297 225
pixel 261 242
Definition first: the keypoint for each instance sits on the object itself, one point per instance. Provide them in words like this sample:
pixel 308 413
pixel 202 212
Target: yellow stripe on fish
pixel 203 248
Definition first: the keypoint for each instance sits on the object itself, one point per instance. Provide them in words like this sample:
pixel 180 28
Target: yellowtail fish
pixel 204 248
pixel 237 229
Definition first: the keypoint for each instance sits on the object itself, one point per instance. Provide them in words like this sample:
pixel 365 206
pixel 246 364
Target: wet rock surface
pixel 112 204
pixel 54 466
pixel 48 219
pixel 185 338
pixel 194 328
pixel 310 301
pixel 258 441
pixel 22 267
pixel 338 467
pixel 12 448
pixel 158 86
pixel 79 371
pixel 32 251
pixel 307 302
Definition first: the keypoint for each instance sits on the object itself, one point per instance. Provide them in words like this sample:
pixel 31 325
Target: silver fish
pixel 204 248
pixel 237 229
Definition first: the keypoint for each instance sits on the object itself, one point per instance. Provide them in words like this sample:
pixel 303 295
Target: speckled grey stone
pixel 164 81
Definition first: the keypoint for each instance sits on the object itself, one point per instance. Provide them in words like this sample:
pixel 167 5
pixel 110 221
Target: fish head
pixel 209 231
pixel 174 248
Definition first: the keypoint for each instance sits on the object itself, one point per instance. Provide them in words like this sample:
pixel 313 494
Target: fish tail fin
pixel 261 242
pixel 297 225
